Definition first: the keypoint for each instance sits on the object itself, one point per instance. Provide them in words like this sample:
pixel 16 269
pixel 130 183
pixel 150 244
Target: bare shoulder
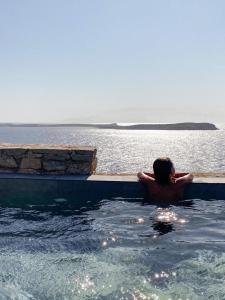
pixel 188 178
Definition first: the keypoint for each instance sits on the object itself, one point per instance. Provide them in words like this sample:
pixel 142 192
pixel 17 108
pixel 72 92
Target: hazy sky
pixel 112 60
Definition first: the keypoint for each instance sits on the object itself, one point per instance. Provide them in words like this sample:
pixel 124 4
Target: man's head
pixel 163 170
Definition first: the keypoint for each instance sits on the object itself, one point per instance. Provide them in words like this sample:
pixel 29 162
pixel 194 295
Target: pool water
pixel 113 249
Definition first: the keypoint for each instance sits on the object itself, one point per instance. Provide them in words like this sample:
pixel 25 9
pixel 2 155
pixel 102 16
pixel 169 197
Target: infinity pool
pixel 113 249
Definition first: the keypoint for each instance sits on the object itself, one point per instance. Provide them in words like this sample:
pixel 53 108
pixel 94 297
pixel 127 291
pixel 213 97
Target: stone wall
pixel 47 159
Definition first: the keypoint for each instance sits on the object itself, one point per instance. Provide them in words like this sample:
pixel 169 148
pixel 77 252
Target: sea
pixel 129 151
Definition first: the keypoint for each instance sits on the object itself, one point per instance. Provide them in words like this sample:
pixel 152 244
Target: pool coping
pixel 100 178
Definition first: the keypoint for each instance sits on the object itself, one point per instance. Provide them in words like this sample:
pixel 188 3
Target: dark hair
pixel 163 168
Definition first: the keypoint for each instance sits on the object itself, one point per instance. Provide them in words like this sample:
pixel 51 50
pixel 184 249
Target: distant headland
pixel 169 126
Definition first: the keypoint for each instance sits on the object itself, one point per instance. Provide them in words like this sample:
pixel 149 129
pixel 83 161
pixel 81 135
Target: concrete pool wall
pixel 21 189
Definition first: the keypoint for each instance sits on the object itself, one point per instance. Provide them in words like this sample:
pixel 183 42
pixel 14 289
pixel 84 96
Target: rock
pixel 79 168
pixel 29 171
pixel 94 165
pixel 88 152
pixel 16 152
pixel 8 162
pixel 32 154
pixel 81 157
pixel 47 159
pixel 61 156
pixel 54 165
pixel 30 163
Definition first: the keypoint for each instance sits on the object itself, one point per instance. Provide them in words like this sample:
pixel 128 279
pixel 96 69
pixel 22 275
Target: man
pixel 164 185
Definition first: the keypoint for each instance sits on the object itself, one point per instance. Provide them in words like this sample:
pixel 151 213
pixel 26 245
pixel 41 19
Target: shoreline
pixel 140 126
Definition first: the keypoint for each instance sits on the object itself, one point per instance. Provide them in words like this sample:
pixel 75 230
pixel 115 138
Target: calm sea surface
pixel 133 150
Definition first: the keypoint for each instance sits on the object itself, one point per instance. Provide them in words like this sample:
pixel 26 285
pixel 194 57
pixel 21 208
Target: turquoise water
pixel 113 249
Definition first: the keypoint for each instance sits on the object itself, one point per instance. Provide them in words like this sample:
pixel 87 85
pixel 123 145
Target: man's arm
pixel 143 177
pixel 188 178
pixel 149 174
pixel 177 175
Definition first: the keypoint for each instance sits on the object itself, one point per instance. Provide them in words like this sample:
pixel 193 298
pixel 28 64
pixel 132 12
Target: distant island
pixel 173 126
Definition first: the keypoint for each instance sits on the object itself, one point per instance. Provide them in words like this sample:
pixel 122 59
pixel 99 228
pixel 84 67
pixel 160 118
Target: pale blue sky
pixel 112 60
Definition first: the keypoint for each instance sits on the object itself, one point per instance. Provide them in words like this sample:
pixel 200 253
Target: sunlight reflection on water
pixel 134 150
pixel 123 250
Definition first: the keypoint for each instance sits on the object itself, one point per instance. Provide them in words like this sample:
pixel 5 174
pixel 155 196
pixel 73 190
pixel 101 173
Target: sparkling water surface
pixel 128 151
pixel 117 248
pixel 113 249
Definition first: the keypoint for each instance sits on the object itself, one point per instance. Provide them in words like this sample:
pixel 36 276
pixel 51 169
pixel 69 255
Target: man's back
pixel 170 192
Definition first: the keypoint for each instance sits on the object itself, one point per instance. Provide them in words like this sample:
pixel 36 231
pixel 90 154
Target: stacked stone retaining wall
pixel 47 159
